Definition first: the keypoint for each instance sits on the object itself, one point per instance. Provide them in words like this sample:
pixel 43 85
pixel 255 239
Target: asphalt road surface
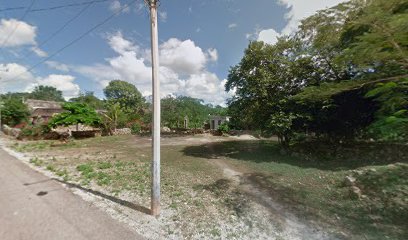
pixel 33 206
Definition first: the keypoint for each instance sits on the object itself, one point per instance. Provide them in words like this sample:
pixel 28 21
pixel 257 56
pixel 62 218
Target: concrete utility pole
pixel 155 198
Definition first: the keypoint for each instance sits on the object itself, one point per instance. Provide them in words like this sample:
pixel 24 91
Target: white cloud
pixel 269 36
pixel 182 56
pixel 39 52
pixel 232 26
pixel 64 83
pixel 206 86
pixel 57 66
pixel 116 6
pixel 130 67
pixel 297 10
pixel 99 73
pixel 120 44
pixel 15 33
pixel 212 54
pixel 162 16
pixel 15 78
pixel 182 69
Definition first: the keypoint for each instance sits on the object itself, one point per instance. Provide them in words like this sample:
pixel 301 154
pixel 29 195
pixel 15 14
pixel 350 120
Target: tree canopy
pixel 75 113
pixel 176 109
pixel 46 93
pixel 341 75
pixel 126 95
pixel 13 111
pixel 89 99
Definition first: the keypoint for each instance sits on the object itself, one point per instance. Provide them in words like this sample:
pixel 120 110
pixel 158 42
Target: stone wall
pixel 11 131
pixel 122 131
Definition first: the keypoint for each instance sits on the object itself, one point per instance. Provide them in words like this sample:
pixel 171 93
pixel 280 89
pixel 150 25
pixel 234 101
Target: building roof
pixel 219 117
pixel 35 104
pixel 46 112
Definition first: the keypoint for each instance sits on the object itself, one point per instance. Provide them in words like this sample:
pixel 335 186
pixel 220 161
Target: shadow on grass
pixel 314 156
pixel 108 197
pixel 223 190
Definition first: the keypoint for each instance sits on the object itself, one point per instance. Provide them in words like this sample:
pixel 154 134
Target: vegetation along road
pixel 236 187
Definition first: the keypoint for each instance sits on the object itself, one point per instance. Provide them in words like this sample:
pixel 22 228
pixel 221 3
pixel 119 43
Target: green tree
pixel 176 109
pixel 46 93
pixel 126 95
pixel 392 118
pixel 74 114
pixel 264 80
pixel 375 38
pixel 13 111
pixel 113 118
pixel 89 99
pixel 317 80
pixel 321 36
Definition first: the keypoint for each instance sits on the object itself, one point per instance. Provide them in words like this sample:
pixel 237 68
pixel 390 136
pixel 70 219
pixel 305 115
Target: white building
pixel 216 121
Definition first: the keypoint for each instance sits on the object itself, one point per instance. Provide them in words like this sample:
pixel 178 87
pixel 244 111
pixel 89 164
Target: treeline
pixel 175 110
pixel 343 75
pixel 13 109
pixel 123 106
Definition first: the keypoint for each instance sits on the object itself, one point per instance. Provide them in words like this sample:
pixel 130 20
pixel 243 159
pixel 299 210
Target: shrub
pixel 33 131
pixel 224 128
pixel 135 127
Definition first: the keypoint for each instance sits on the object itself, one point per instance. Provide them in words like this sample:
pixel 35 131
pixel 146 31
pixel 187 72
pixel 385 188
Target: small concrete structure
pixel 216 121
pixel 185 122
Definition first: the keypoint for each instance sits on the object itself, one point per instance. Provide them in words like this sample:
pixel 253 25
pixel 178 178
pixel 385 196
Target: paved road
pixel 33 206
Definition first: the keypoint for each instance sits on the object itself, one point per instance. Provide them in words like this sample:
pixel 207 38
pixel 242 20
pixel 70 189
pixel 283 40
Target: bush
pixel 13 112
pixel 135 127
pixel 224 128
pixel 33 131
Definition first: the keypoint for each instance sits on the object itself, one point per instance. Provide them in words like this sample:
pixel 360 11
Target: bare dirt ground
pixel 202 198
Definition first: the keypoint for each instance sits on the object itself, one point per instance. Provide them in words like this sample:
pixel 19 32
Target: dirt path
pixel 291 226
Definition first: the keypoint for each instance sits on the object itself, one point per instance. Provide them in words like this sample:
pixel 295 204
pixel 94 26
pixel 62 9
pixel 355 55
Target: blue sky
pixel 199 40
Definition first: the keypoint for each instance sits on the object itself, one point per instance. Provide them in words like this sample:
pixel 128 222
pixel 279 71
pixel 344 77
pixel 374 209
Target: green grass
pixel 33 146
pixel 104 165
pixel 310 183
pixel 51 168
pixel 36 161
pixel 314 188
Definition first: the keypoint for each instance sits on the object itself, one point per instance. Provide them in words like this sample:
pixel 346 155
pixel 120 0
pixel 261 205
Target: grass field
pixel 203 200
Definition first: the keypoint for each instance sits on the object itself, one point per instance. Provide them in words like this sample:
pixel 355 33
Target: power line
pixel 68 5
pixel 61 28
pixel 11 9
pixel 54 7
pixel 18 24
pixel 130 3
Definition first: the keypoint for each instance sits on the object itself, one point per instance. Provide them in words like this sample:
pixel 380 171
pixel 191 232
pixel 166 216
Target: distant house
pixel 41 111
pixel 216 121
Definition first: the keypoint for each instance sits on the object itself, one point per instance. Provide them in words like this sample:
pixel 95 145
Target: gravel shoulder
pixel 34 206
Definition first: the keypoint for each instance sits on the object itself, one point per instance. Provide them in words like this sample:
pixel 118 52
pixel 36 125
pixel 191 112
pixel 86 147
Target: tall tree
pixel 374 37
pixel 264 80
pixel 318 79
pixel 47 93
pixel 126 95
pixel 175 109
pixel 89 99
